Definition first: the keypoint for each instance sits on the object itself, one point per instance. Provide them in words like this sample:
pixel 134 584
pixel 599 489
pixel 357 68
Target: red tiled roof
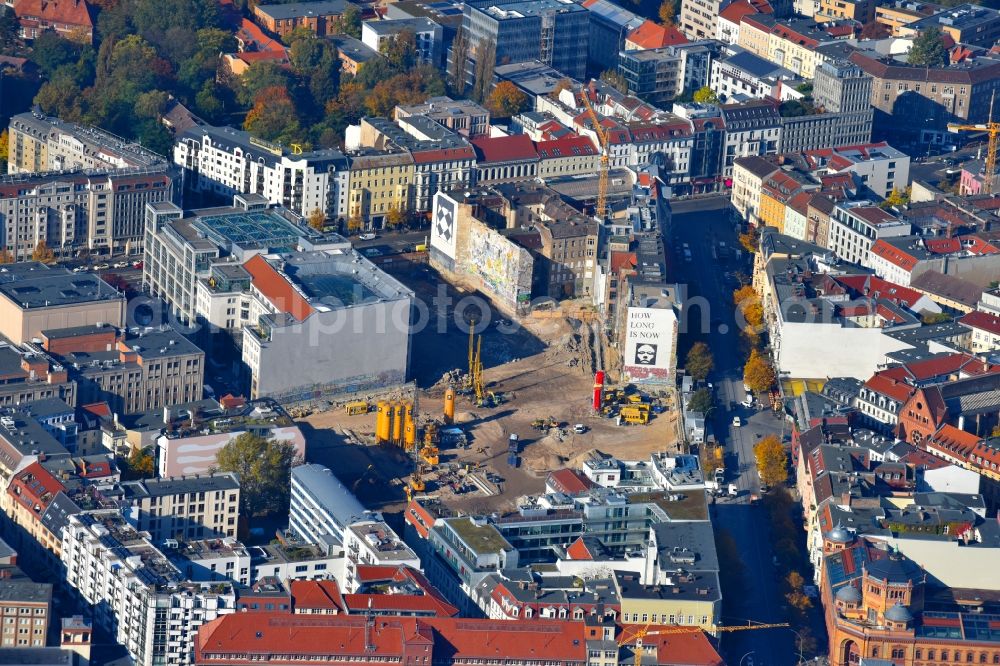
pixel 68 12
pixel 984 321
pixel 505 148
pixel 98 409
pixel 578 550
pixel 691 648
pixel 620 260
pixel 229 401
pixel 443 155
pixel 277 289
pixel 650 35
pixel 953 441
pixel 735 12
pixel 565 147
pixel 37 487
pixel 883 385
pixel 570 481
pixel 875 287
pixel 251 35
pixel 400 603
pixel 893 255
pixel 317 594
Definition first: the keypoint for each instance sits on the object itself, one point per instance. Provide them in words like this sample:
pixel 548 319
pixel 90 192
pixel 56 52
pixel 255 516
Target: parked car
pixel 101 267
pixel 120 264
pixel 737 422
pixel 579 428
pixel 367 237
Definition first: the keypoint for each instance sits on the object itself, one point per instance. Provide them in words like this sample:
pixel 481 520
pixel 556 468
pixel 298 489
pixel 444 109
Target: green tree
pixel 9 29
pixel 348 23
pixel 264 467
pixel 705 95
pixel 139 465
pixel 897 198
pixel 928 49
pixel 506 100
pixel 701 401
pixel 699 361
pixel 49 52
pixel 758 373
pixel 772 462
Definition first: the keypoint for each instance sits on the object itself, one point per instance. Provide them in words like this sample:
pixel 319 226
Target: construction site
pixel 492 425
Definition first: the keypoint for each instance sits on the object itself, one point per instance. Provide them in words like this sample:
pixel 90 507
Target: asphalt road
pixel 934 170
pixel 704 223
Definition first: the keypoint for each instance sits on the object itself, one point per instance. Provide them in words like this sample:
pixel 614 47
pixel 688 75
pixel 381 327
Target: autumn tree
pixel 273 116
pixel 564 83
pixel 796 596
pixel 928 49
pixel 896 198
pixel 486 56
pixel 317 219
pixel 667 12
pixel 749 306
pixel 758 373
pixel 395 217
pixel 264 466
pixel 506 100
pixel 6 257
pixel 139 465
pixel 772 462
pixel 43 253
pixel 459 61
pixel 699 361
pixel 4 150
pixel 701 401
pixel 354 224
pixel 750 240
pixel 705 95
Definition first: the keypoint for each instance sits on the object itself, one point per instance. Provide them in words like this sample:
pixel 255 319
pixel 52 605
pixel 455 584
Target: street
pixel 703 224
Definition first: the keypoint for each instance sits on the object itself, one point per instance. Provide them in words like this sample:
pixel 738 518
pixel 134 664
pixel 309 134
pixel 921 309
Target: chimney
pixel 845 498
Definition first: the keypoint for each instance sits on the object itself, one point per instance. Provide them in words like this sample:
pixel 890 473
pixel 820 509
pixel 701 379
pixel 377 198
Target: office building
pixel 139 597
pixel 969 24
pixel 184 508
pixel 321 506
pixel 652 74
pixel 554 32
pixel 610 24
pixel 35 298
pixel 41 143
pixel 322 321
pixel 226 161
pixel 30 376
pixel 463 116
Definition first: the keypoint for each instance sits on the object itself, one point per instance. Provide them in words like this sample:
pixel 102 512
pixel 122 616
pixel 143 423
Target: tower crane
pixel 992 130
pixel 636 637
pixel 602 184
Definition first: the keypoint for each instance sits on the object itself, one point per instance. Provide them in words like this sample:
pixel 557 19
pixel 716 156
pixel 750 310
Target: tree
pixel 705 95
pixel 564 83
pixel 459 61
pixel 667 12
pixel 750 240
pixel 395 217
pixel 42 253
pixel 139 465
pixel 486 60
pixel 264 466
pixel 935 318
pixel 701 401
pixel 758 373
pixel 772 463
pixel 354 224
pixel 928 49
pixel 749 305
pixel 896 198
pixel 348 23
pixel 615 79
pixel 9 29
pixel 4 149
pixel 699 361
pixel 506 100
pixel 401 50
pixel 6 257
pixel 273 117
pixel 317 219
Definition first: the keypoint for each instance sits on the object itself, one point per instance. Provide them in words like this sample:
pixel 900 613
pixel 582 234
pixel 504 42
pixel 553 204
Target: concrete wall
pixel 365 345
pixel 196 455
pixel 501 268
pixel 828 350
pixel 22 325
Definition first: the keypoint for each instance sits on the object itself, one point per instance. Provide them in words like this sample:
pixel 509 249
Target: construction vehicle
pixel 355 408
pixel 544 424
pixel 634 415
pixel 992 130
pixel 364 475
pixel 429 452
pixel 600 209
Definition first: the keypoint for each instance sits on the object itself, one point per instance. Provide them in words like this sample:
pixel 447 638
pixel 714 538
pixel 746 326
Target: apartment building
pixel 698 18
pixel 749 174
pixel 371 542
pixel 35 297
pixel 316 17
pixel 25 606
pixel 380 181
pixel 749 129
pixel 567 156
pixel 99 212
pixel 554 32
pixel 31 376
pixel 862 11
pixel 745 74
pixel 897 15
pixel 505 159
pixel 855 226
pixel 42 143
pixel 969 24
pixel 183 508
pixel 70 19
pixel 427 35
pixel 791 43
pixel 227 161
pixel 139 597
pixel 181 247
pixel 651 74
pixel 137 371
pixel 464 117
pixel 321 321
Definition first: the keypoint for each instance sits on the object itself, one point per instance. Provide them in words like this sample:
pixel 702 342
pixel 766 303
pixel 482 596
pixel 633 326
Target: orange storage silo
pixel 397 423
pixel 382 422
pixel 449 405
pixel 409 433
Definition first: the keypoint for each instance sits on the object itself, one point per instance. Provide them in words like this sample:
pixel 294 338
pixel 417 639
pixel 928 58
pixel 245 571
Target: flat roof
pixel 327 490
pixel 34 285
pixel 297 9
pixel 260 228
pixel 479 538
pixel 180 485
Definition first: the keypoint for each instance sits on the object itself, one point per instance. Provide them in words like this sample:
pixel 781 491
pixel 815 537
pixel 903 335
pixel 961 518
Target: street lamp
pixel 745 656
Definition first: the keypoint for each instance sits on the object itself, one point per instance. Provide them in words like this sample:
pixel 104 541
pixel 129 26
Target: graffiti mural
pixel 502 267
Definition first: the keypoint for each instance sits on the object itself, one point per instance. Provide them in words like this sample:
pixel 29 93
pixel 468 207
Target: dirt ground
pixel 544 370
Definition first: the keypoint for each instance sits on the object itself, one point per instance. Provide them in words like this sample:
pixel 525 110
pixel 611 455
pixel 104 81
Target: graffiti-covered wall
pixel 502 268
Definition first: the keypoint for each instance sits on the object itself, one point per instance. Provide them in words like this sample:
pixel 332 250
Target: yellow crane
pixel 636 637
pixel 600 210
pixel 992 130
